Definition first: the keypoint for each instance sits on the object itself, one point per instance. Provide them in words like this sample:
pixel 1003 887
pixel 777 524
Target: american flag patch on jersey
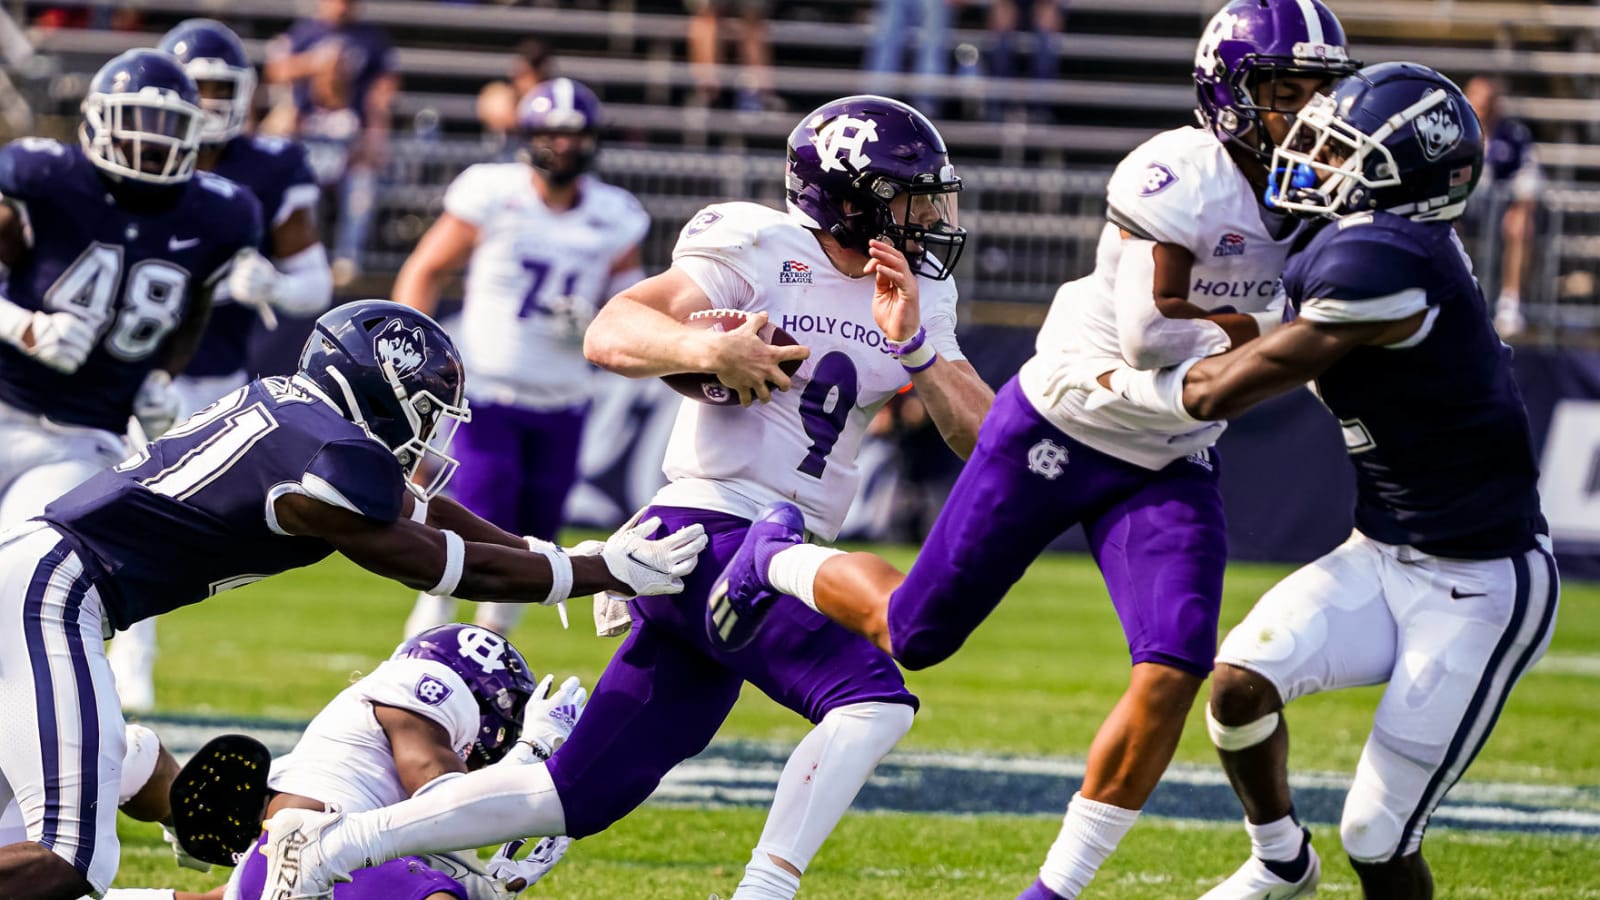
pixel 1230 245
pixel 794 272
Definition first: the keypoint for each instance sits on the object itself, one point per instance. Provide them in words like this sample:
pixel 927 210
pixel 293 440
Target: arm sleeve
pixel 1147 338
pixel 1358 277
pixel 471 195
pixel 429 689
pixel 358 475
pixel 939 318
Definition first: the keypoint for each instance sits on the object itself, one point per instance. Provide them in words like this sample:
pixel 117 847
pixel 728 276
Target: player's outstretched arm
pixel 443 250
pixel 443 562
pixel 1157 325
pixel 639 334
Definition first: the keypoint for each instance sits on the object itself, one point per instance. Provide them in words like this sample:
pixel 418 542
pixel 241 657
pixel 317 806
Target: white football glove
pixel 253 278
pixel 1077 375
pixel 547 720
pixel 60 340
pixel 157 403
pixel 653 566
pixel 182 857
pixel 513 876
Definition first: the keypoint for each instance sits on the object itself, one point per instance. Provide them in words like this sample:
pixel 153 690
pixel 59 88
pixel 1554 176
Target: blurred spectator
pixel 892 29
pixel 342 72
pixel 1046 18
pixel 755 54
pixel 1500 221
pixel 497 102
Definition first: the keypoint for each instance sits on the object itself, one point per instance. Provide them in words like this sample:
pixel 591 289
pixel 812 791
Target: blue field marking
pixel 740 773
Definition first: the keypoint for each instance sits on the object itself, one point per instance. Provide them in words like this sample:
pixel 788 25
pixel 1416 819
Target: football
pixel 704 386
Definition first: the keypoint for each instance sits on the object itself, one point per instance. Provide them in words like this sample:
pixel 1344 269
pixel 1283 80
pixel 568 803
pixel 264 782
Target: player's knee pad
pixel 139 760
pixel 1240 737
pixel 870 726
pixel 1369 830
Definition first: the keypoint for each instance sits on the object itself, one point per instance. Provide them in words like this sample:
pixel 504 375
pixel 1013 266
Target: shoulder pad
pixel 1157 191
pixel 28 164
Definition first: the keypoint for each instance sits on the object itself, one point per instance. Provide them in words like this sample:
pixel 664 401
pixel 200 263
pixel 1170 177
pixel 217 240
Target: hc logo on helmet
pixel 483 647
pixel 404 350
pixel 845 134
pixel 1439 129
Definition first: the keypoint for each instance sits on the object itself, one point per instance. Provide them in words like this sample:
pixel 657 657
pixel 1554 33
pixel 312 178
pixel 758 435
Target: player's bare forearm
pixel 512 576
pixel 957 399
pixel 421 747
pixel 448 515
pixel 1223 386
pixel 185 339
pixel 639 334
pixel 295 234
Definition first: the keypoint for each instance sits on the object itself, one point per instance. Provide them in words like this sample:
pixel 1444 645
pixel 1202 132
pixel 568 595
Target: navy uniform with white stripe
pixel 276 475
pixel 1446 592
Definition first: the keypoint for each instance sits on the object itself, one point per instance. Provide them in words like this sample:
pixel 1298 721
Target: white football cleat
pixel 296 869
pixel 1254 881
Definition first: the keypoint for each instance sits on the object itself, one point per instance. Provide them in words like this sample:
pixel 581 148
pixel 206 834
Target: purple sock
pixel 1037 891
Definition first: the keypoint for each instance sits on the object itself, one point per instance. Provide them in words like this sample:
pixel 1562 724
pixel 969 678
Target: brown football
pixel 704 386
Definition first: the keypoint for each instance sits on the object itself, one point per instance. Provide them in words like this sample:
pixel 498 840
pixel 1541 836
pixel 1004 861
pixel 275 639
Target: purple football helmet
pixel 560 119
pixel 1251 41
pixel 1395 136
pixel 494 671
pixel 865 167
pixel 214 57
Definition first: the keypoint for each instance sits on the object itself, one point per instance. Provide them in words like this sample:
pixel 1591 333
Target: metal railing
pixel 1032 228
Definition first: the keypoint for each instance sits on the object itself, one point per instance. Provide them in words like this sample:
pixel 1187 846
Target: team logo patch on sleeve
pixel 404 350
pixel 1157 178
pixel 432 691
pixel 1230 245
pixel 699 224
pixel 794 272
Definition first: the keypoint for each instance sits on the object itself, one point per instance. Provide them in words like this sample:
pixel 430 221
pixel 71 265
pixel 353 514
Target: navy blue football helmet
pixel 1398 137
pixel 214 57
pixel 553 109
pixel 494 671
pixel 141 119
pixel 394 372
pixel 865 167
pixel 1251 41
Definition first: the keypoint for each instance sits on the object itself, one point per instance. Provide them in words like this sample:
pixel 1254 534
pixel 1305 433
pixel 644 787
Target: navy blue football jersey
pixel 1435 425
pixel 192 515
pixel 130 273
pixel 276 172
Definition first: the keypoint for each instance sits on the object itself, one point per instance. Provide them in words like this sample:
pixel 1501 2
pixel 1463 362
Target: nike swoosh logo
pixel 175 244
pixel 1457 594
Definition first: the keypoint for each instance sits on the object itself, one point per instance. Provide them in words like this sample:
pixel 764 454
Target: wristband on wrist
pixel 560 569
pixel 915 354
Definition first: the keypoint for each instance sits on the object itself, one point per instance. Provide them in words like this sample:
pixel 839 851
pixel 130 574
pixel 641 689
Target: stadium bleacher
pixel 1035 184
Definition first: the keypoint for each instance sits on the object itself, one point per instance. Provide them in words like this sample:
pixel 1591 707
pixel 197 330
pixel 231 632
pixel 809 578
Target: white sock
pixel 824 774
pixel 489 806
pixel 1089 833
pixel 1277 841
pixel 499 617
pixel 430 611
pixel 794 571
pixel 766 880
pixel 139 894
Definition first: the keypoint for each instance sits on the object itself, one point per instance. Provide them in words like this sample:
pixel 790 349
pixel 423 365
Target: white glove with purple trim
pixel 514 876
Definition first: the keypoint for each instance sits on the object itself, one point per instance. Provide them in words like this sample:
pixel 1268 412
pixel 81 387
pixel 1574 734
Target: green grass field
pixel 1036 680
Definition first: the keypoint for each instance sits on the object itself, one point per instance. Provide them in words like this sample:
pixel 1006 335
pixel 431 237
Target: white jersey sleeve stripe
pixel 1390 308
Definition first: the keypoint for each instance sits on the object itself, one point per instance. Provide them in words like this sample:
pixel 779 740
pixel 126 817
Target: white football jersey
pixel 802 446
pixel 344 756
pixel 1179 187
pixel 535 279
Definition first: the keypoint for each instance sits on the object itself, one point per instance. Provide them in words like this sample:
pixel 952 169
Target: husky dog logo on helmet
pixel 404 350
pixel 1439 129
pixel 845 134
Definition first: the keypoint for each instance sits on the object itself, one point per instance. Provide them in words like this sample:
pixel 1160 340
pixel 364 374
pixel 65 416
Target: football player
pixel 544 242
pixel 451 699
pixel 1187 265
pixel 296 281
pixel 274 476
pixel 1446 592
pixel 113 249
pixel 858 270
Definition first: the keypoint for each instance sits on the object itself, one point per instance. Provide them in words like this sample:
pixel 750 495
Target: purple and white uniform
pixel 668 688
pixel 536 278
pixel 1143 486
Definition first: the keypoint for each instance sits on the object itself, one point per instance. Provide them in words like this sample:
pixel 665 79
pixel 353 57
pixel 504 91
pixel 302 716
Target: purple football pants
pixel 1159 538
pixel 668 689
pixel 406 878
pixel 518 465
